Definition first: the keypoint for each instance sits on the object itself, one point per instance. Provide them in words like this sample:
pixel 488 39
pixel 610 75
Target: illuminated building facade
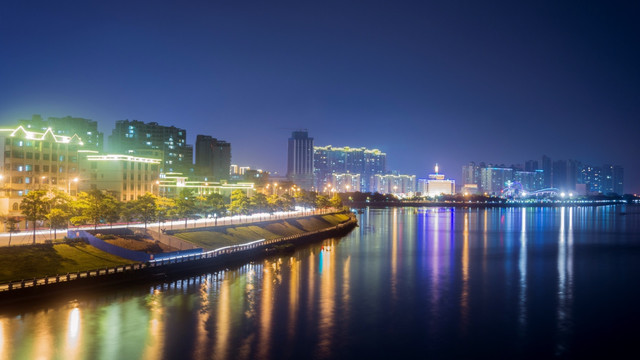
pixel 125 177
pixel 530 180
pixel 137 138
pixel 36 160
pixel 438 185
pixel 495 179
pixel 345 182
pixel 69 126
pixel 213 158
pixel 300 159
pixel 171 184
pixel 366 162
pixel 401 185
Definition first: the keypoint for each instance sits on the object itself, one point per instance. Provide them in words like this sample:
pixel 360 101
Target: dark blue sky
pixel 446 81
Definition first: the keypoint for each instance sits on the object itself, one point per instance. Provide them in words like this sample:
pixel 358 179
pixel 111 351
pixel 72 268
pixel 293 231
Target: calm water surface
pixel 417 283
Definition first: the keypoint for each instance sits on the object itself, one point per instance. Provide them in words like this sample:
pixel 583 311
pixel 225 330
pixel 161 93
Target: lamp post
pixel 69 185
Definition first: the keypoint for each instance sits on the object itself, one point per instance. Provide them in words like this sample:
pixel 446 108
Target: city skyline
pixel 212 159
pixel 452 83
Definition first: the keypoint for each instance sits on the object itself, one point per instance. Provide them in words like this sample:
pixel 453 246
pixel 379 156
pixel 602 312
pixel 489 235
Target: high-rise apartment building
pixel 300 159
pixel 471 174
pixel 213 158
pixel 68 126
pixel 365 162
pixel 612 179
pixel 530 180
pixel 591 176
pixel 547 168
pixel 493 180
pixel 395 184
pixel 531 165
pixel 345 182
pixel 133 137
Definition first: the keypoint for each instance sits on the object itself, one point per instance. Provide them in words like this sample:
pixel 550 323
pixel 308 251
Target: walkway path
pixel 26 237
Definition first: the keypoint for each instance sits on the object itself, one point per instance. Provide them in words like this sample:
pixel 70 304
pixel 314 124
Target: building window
pixel 37 156
pixel 29 155
pixel 54 157
pixel 15 206
pixel 36 168
pixel 45 156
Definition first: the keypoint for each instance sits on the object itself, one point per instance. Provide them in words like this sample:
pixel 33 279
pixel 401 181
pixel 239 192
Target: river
pixel 407 283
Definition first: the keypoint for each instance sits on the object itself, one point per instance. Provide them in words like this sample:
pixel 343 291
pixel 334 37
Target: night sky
pixel 446 81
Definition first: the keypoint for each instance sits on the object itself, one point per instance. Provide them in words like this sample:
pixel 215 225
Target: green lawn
pixel 26 262
pixel 231 235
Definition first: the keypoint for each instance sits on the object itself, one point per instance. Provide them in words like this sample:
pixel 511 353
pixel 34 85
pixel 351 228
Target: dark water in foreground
pixel 416 283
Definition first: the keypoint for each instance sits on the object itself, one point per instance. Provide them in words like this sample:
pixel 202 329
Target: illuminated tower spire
pixel 436 168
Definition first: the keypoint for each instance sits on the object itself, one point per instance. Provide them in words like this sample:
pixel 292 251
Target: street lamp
pixel 69 185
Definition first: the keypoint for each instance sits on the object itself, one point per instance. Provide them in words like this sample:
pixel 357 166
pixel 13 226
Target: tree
pixel 336 201
pixel 10 224
pixel 34 207
pixel 287 202
pixel 186 205
pixel 259 203
pixel 212 204
pixel 164 209
pixel 239 202
pixel 128 212
pixel 146 208
pixel 306 198
pixel 58 219
pixel 93 207
pixel 112 209
pixel 275 203
pixel 322 202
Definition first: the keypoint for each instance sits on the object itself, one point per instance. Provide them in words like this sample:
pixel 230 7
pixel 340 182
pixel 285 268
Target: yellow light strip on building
pixel 32 135
pixel 122 158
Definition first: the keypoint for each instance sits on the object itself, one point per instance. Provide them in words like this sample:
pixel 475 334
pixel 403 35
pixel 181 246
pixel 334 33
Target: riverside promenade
pixel 178 264
pixel 45 234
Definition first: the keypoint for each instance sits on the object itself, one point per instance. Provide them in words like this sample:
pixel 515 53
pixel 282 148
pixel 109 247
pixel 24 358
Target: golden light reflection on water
pixel 266 308
pixel 223 316
pixel 464 299
pixel 294 294
pixel 72 344
pixel 3 351
pixel 326 309
pixel 204 314
pixel 155 333
pixel 44 342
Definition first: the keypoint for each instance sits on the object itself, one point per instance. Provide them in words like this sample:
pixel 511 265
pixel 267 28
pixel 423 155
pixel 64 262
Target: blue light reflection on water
pixel 524 282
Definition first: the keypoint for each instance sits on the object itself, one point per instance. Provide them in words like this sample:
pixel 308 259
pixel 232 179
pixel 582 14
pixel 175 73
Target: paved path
pixel 26 237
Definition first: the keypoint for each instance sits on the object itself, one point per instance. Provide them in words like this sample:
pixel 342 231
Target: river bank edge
pixel 171 271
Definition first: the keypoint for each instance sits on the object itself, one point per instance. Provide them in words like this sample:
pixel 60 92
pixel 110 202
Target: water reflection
pixel 522 267
pixel 430 282
pixel 464 298
pixel 565 281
